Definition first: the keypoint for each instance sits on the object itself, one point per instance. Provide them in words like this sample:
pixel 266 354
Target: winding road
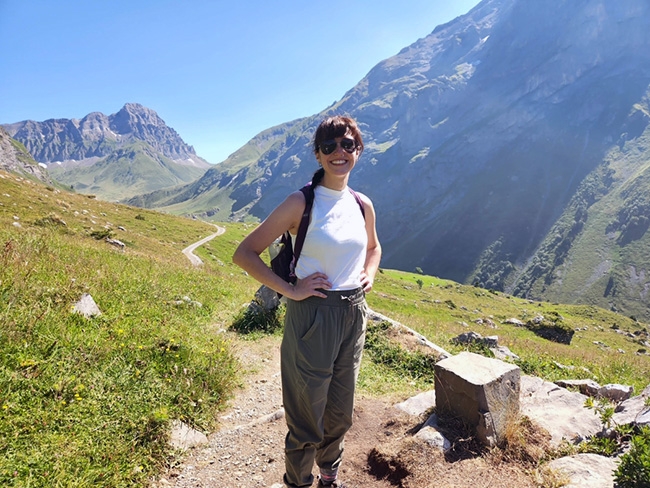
pixel 189 250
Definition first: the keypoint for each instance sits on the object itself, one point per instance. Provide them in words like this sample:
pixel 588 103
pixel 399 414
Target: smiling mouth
pixel 338 162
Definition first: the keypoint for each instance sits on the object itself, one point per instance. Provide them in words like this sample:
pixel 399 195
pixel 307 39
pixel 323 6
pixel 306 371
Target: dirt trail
pixel 247 450
pixel 189 250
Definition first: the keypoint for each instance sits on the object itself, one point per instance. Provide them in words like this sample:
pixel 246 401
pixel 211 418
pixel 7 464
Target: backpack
pixel 284 255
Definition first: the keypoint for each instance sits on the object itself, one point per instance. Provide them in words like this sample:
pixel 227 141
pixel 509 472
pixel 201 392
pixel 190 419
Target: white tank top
pixel 336 240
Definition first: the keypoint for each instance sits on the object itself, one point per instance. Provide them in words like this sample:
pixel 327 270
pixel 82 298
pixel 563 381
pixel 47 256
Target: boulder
pixel 86 306
pixel 185 437
pixel 633 410
pixel 586 470
pixel 560 411
pixel 482 391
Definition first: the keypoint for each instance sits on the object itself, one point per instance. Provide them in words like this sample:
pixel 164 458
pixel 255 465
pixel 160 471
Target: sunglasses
pixel 347 144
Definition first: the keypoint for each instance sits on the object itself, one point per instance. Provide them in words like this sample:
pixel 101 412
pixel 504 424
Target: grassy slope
pixel 441 310
pixel 87 402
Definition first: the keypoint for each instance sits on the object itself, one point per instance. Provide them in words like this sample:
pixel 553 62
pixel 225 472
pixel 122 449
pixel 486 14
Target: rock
pixel 470 337
pixel 430 434
pixel 184 437
pixel 86 306
pixel 616 393
pixel 514 321
pixel 116 242
pixel 560 411
pixel 418 404
pixel 586 387
pixel 467 338
pixel 266 299
pixel 482 391
pixel 586 470
pixel 503 353
pixel 633 410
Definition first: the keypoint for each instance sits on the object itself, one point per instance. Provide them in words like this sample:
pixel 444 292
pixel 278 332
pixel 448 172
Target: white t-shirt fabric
pixel 336 239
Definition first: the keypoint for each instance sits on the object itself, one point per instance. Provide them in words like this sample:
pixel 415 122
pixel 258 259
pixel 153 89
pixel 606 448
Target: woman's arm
pixel 373 251
pixel 247 255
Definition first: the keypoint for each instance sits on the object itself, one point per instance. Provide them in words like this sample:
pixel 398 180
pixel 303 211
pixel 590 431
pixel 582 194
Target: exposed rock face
pixel 15 159
pixel 97 135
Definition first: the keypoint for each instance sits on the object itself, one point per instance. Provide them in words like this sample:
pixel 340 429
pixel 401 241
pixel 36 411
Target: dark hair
pixel 331 128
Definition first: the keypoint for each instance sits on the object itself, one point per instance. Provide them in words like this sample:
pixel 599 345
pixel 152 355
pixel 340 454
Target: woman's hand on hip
pixel 366 282
pixel 311 286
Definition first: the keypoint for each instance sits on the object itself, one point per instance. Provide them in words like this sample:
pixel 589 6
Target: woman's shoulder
pixel 296 198
pixel 362 196
pixel 294 204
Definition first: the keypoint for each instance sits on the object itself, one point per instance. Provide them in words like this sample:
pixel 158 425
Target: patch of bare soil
pixel 247 450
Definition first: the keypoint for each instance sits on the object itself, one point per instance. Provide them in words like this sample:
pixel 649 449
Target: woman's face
pixel 343 155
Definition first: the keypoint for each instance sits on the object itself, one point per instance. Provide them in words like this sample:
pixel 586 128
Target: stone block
pixel 483 392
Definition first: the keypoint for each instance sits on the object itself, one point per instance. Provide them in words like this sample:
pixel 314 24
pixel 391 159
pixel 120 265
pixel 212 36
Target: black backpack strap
pixel 308 191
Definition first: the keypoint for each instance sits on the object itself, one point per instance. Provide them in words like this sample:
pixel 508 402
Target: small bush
pixel 555 331
pixel 415 365
pixel 50 220
pixel 101 234
pixel 634 469
pixel 256 319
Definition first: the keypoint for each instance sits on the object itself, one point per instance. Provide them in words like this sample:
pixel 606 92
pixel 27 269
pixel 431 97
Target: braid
pixel 318 177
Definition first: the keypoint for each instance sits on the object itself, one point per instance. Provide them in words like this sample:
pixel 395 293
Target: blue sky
pixel 217 72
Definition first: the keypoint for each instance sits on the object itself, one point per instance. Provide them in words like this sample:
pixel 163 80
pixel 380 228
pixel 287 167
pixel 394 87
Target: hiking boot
pixel 333 484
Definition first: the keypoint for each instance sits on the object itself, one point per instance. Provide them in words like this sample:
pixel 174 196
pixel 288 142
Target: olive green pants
pixel 321 355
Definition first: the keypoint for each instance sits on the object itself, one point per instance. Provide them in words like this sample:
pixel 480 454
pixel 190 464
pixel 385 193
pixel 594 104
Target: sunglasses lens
pixel 347 144
pixel 328 147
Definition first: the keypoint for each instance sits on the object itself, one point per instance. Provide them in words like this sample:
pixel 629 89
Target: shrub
pixel 409 364
pixel 634 469
pixel 256 319
pixel 101 234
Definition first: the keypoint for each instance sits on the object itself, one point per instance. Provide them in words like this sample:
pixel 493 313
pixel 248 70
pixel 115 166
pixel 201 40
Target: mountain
pixel 15 159
pixel 509 148
pixel 115 156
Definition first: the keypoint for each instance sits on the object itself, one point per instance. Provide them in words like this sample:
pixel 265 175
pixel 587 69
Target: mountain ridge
pixel 114 156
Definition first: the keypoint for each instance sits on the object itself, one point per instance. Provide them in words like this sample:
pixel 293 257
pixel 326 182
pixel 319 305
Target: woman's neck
pixel 338 184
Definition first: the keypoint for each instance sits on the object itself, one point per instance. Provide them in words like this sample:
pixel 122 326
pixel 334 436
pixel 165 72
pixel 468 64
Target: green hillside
pixel 88 402
pixel 598 251
pixel 130 170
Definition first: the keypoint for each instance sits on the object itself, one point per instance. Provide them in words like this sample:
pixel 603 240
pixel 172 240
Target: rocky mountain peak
pixel 134 118
pixel 98 135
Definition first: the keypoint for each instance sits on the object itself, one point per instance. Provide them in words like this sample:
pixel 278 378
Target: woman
pixel 325 320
